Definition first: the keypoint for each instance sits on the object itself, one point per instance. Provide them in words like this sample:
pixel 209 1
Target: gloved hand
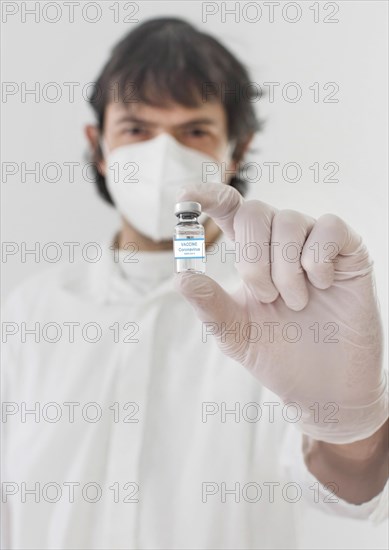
pixel 305 321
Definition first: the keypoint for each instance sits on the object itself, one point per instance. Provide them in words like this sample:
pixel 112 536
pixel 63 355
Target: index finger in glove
pixel 219 200
pixel 253 227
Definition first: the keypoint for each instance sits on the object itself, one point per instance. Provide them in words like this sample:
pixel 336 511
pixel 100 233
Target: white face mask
pixel 143 180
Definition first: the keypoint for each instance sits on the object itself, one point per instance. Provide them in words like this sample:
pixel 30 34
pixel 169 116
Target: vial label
pixel 189 249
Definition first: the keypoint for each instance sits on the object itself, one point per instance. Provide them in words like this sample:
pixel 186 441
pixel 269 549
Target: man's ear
pixel 242 147
pixel 239 152
pixel 92 134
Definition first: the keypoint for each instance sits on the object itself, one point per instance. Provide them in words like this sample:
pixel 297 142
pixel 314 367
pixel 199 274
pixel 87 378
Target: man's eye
pixel 134 131
pixel 196 132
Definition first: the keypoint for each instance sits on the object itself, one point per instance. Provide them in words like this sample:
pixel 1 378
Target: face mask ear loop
pixel 103 147
pixel 228 154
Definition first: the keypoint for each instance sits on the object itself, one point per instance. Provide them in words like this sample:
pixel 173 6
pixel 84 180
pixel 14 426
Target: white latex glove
pixel 338 369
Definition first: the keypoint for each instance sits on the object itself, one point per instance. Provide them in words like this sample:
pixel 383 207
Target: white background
pixel 351 133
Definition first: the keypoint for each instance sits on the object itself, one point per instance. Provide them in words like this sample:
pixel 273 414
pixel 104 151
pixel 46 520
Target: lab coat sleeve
pixel 315 494
pixel 10 316
pixel 13 312
pixel 8 363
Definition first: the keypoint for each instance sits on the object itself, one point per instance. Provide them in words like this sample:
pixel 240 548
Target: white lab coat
pixel 167 477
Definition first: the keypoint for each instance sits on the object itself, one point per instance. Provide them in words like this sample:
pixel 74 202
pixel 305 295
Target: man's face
pixel 202 128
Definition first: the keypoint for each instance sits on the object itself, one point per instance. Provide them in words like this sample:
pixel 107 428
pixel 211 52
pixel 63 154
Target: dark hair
pixel 167 60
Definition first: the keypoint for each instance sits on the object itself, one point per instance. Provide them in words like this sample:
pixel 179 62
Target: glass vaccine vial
pixel 189 238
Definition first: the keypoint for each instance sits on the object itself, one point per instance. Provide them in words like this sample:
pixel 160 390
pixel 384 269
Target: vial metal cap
pixel 187 206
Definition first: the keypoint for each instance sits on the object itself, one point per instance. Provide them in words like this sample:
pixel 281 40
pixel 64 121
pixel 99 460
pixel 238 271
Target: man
pixel 163 428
